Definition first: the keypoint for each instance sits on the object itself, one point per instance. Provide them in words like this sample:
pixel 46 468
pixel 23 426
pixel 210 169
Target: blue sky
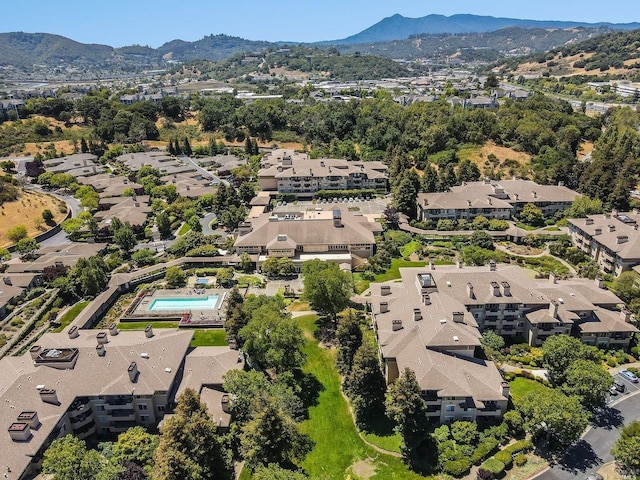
pixel 144 22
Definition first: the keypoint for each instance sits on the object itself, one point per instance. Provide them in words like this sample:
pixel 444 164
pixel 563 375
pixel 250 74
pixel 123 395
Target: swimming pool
pixel 185 303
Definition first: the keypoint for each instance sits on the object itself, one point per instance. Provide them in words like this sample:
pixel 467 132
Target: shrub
pixel 496 467
pixel 484 449
pixel 520 459
pixel 457 468
pixel 520 446
pixel 206 272
pixel 484 474
pixel 505 457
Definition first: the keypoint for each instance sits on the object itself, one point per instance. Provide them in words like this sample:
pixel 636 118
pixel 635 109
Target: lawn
pixel 70 315
pixel 409 248
pixel 184 229
pixel 394 271
pixel 337 444
pixel 142 325
pixel 521 387
pixel 209 338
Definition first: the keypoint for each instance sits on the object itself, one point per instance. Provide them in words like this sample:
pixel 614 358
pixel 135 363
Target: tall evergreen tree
pixel 365 385
pixel 349 338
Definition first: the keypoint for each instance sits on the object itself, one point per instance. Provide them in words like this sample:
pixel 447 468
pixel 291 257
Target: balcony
pixel 129 412
pixel 120 400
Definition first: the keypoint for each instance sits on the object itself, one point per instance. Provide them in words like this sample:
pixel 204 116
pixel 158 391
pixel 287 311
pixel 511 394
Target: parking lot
pixel 374 206
pixel 630 387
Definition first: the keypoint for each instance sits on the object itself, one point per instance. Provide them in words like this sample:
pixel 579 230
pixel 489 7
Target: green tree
pixel 481 239
pixel 47 216
pixel 125 238
pixel 625 286
pixel 4 255
pixel 584 206
pixel 531 215
pixel 246 264
pixel 67 458
pixel 270 267
pixel 163 222
pixel 465 433
pixel 144 257
pixel 404 197
pixel 224 276
pixel 273 437
pixel 562 418
pixel 589 381
pixel 235 317
pixel 626 449
pixel 26 247
pixel 480 223
pixel 194 223
pixel 365 385
pixel 190 447
pixel 349 339
pixel 175 277
pixel 559 352
pixel 136 445
pixel 276 472
pixel 404 405
pixel 17 233
pixel 326 287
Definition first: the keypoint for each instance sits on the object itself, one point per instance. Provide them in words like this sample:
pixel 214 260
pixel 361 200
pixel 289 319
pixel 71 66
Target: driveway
pixel 594 449
pixel 201 170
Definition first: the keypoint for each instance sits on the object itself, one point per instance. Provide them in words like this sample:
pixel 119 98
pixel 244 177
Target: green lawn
pixel 209 338
pixel 184 229
pixel 142 325
pixel 524 226
pixel 70 315
pixel 330 425
pixel 409 248
pixel 394 271
pixel 523 386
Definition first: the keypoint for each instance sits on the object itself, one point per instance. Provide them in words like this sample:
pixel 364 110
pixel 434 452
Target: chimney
pixel 384 307
pixel 225 403
pixel 516 196
pixel 470 291
pixel 490 201
pixel 607 215
pixel 625 314
pixel 148 331
pixel 589 221
pixel 505 389
pixel 49 396
pixel 30 418
pixel 561 184
pixel 552 278
pixel 487 180
pixel 611 228
pixel 133 372
pixel 621 239
pixel 534 194
pixel 417 314
pixel 100 350
pixel 385 290
pixel 597 231
pixel 426 299
pixel 458 317
pixel 113 329
pixel 35 351
pixel 7 280
pixel 73 332
pixel 599 282
pixel 494 288
pixel 492 265
pixel 432 265
pixel 337 218
pixel 506 289
pixel 19 432
pixel 553 308
pixel 459 263
pixel 396 325
pixel 468 203
pixel 101 337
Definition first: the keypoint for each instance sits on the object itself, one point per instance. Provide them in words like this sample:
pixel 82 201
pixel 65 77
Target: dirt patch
pixel 504 157
pixel 609 472
pixel 584 149
pixel 25 210
pixel 364 469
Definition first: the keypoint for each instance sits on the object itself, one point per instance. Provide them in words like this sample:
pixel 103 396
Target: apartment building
pixel 492 199
pixel 612 240
pixel 334 235
pixel 287 171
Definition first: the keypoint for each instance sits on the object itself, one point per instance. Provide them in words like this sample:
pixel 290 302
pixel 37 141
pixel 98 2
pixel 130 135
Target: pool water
pixel 185 303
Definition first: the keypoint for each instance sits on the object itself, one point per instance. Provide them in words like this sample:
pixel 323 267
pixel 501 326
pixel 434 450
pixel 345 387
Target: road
pixel 594 449
pixel 203 171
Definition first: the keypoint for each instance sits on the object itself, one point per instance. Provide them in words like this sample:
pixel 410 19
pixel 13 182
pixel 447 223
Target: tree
pixel 144 257
pixel 136 445
pixel 625 286
pixel 194 223
pixel 17 233
pixel 326 287
pixel 626 449
pixel 492 341
pixel 175 277
pixel 246 264
pixel 235 317
pixel 224 276
pixel 392 217
pixel 559 352
pixel 480 223
pixel 531 215
pixel 190 447
pixel 404 197
pixel 549 410
pixel 275 472
pixel 67 458
pixel 481 239
pixel 26 247
pixel 584 206
pixel 365 385
pixel 4 255
pixel 273 437
pixel 589 381
pixel 404 405
pixel 273 340
pixel 125 238
pixel 163 222
pixel 349 338
pixel 47 216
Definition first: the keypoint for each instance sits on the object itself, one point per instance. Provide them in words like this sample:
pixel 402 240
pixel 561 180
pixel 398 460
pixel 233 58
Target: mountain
pixel 398 27
pixel 211 47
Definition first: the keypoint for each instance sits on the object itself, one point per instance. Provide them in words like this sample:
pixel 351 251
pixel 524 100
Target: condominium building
pixel 287 171
pixel 612 240
pixel 493 199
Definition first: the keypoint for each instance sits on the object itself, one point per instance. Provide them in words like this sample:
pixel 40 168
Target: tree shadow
pixel 326 331
pixel 310 388
pixel 380 425
pixel 608 418
pixel 579 458
pixel 423 459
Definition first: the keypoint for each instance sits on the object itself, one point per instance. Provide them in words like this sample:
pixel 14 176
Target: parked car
pixel 627 375
pixel 619 385
pixel 613 391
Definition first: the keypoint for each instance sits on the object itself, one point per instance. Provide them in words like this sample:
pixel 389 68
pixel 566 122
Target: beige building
pixel 333 235
pixel 611 240
pixel 287 171
pixel 492 199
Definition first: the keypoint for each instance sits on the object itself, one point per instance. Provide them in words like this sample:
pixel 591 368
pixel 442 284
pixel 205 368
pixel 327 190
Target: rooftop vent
pixel 73 332
pixel 102 338
pixel 148 331
pixel 426 299
pixel 49 396
pixel 20 432
pixel 30 418
pixel 35 351
pixel 384 307
pixel 494 288
pixel 133 372
pixel 417 314
pixel 506 289
pixel 396 325
pixel 385 290
pixel 589 221
pixel 100 350
pixel 113 329
pixel 458 317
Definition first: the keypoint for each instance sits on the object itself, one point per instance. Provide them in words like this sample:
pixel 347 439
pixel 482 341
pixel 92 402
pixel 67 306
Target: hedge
pixel 520 459
pixel 494 465
pixel 457 468
pixel 484 449
pixel 505 457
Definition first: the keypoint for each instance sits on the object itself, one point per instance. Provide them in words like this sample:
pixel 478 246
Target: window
pixel 142 406
pixel 161 408
pixel 450 408
pixel 144 418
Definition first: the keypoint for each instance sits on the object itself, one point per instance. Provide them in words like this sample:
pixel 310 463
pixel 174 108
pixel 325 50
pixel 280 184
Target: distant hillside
pixel 483 47
pixel 211 47
pixel 398 27
pixel 616 53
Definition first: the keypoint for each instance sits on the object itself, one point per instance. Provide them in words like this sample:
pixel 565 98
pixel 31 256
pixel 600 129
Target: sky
pixel 144 22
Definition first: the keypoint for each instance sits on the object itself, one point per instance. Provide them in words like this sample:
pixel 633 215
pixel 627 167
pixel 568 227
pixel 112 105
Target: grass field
pixel 394 272
pixel 520 387
pixel 338 448
pixel 25 210
pixel 142 325
pixel 209 338
pixel 184 229
pixel 70 315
